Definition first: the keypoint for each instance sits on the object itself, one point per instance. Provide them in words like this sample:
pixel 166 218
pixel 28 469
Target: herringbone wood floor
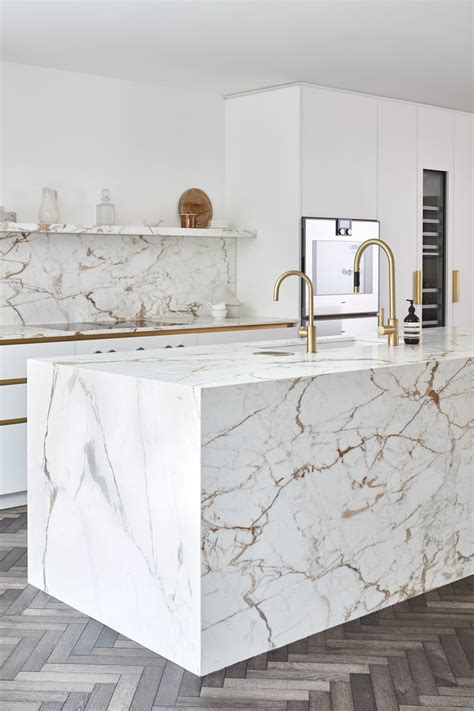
pixel 415 655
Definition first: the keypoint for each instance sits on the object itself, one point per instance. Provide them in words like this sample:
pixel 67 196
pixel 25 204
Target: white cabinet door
pixel 134 343
pixel 12 459
pixel 13 358
pixel 12 402
pixel 263 334
pixel 463 202
pixel 339 154
pixel 397 198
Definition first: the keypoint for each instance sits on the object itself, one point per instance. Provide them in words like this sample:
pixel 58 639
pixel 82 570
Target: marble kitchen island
pixel 220 502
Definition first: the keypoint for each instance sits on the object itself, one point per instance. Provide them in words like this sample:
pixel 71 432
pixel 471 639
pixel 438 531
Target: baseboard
pixel 8 501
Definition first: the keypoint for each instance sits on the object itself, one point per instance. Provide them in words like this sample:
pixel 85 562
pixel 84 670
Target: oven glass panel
pixel 333 268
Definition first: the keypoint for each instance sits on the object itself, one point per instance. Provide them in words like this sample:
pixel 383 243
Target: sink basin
pixel 299 347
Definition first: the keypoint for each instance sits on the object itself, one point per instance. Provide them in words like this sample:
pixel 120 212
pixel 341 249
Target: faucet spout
pixel 389 329
pixel 310 331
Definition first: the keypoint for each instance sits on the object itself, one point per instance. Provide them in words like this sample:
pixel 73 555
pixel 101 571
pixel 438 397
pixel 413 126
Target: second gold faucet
pixel 308 331
pixel 389 329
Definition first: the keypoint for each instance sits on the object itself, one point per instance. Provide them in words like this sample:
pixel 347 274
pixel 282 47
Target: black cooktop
pixel 108 325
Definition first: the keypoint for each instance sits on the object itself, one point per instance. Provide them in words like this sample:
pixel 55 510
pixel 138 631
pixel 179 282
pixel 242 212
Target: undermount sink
pixel 292 349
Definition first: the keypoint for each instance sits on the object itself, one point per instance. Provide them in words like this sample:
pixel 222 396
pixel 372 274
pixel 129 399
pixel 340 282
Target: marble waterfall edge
pixel 243 517
pixel 57 278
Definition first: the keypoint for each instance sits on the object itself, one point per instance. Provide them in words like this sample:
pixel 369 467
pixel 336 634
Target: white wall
pixel 80 133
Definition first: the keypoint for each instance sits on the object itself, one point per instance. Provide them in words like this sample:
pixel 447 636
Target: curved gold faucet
pixel 389 329
pixel 308 331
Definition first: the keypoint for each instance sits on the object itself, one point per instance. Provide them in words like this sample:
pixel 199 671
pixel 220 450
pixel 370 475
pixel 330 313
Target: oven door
pixel 328 259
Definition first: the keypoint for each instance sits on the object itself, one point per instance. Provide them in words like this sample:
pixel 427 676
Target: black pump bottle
pixel 411 326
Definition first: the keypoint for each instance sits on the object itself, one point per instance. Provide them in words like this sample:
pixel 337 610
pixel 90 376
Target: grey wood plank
pixel 100 697
pixel 124 692
pixel 455 655
pixel 43 650
pixel 147 689
pixel 107 638
pixel 191 684
pixel 300 647
pixel 19 705
pixel 421 672
pixel 169 685
pixel 215 679
pixel 439 664
pixel 88 638
pixel 16 524
pixel 258 662
pixel 436 702
pixel 278 655
pixel 111 658
pixel 341 696
pixel 51 706
pixel 230 703
pixel 18 657
pixel 238 671
pixel 466 639
pixel 297 706
pixel 11 558
pixel 319 701
pixel 33 695
pixel 362 693
pixel 22 601
pixel 67 642
pixel 402 680
pixel 76 701
pixel 384 691
pixel 40 600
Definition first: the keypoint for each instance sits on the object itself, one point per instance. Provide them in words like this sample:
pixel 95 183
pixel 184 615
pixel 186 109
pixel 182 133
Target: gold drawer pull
pixel 455 286
pixel 418 287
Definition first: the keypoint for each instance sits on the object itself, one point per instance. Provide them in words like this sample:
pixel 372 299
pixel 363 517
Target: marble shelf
pixel 138 230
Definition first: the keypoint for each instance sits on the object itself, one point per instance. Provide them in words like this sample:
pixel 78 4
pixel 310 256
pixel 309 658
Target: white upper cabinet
pixel 339 154
pixel 397 197
pixel 463 202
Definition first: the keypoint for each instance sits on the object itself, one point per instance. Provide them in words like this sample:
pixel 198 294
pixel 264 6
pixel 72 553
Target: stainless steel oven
pixel 328 250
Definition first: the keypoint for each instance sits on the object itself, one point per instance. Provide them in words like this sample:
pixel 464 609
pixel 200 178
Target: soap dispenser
pixel 411 326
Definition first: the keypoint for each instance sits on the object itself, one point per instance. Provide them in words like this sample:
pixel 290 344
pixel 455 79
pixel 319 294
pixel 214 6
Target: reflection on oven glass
pixel 333 268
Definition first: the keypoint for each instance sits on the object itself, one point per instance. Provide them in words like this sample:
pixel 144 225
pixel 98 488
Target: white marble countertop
pixel 233 364
pixel 94 330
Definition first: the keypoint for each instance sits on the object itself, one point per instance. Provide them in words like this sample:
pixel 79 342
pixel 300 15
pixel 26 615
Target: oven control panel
pixel 343 227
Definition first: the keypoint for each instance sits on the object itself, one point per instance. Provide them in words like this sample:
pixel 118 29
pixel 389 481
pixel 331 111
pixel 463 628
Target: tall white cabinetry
pixel 294 151
pixel 338 154
pixel 398 196
pixel 308 151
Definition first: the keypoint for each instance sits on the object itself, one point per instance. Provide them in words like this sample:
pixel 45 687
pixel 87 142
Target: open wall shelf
pixel 139 231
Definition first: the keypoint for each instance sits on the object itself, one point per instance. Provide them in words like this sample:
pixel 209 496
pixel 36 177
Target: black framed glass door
pixel 434 248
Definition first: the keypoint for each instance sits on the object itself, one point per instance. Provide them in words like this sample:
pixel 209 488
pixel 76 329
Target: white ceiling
pixel 421 50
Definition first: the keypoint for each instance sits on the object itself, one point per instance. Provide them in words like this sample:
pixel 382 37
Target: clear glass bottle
pixel 105 210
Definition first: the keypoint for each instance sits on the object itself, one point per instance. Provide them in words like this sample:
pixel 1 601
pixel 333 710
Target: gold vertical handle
pixel 381 316
pixel 455 286
pixel 418 287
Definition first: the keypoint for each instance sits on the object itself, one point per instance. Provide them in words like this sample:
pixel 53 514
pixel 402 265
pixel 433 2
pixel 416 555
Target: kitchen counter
pixel 85 331
pixel 217 503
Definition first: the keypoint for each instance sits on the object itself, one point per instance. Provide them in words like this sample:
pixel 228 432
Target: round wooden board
pixel 197 202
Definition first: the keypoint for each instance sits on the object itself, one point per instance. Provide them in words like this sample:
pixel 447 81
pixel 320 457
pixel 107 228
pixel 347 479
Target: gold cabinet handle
pixel 418 287
pixel 455 286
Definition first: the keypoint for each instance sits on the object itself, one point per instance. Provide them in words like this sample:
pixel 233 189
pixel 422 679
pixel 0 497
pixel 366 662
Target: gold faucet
pixel 389 329
pixel 308 332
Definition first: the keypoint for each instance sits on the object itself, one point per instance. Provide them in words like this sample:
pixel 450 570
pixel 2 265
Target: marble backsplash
pixel 68 278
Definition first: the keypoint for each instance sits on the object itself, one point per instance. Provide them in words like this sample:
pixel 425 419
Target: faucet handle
pixel 381 327
pixel 303 332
